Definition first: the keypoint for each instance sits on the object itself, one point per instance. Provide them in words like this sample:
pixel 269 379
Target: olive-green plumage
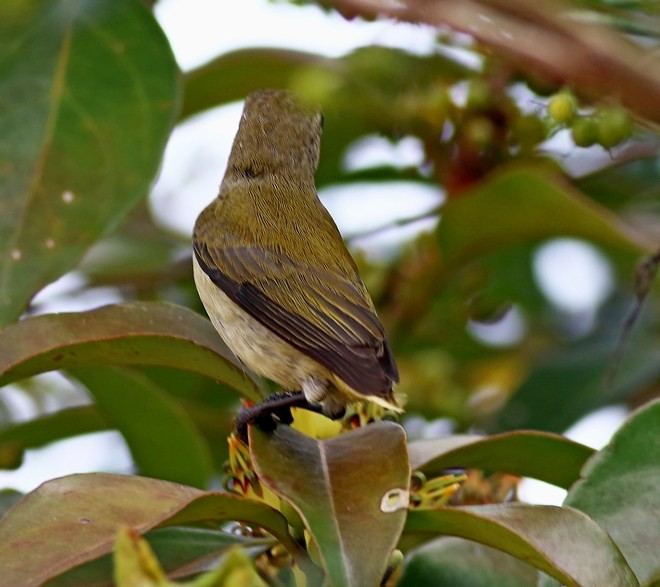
pixel 274 274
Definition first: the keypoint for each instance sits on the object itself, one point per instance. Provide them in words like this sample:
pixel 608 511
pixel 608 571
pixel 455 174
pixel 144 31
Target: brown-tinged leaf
pixel 549 457
pixel 69 521
pixel 562 542
pixel 351 491
pixel 134 333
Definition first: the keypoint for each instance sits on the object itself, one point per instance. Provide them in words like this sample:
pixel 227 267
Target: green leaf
pixel 212 412
pixel 368 70
pixel 236 569
pixel 135 333
pixel 617 185
pixel 339 486
pixel 162 438
pixel 355 91
pixel 619 490
pixel 78 517
pixel 182 552
pixel 548 457
pixel 215 506
pixel 89 94
pixel 575 377
pixel 40 431
pixel 527 204
pixel 232 76
pixel 135 564
pixel 186 551
pixel 562 542
pixel 449 562
pixel 51 427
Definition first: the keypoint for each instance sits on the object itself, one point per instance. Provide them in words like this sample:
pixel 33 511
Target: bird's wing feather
pixel 326 316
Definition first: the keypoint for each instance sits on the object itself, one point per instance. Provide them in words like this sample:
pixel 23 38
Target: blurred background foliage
pixel 519 294
pixel 535 125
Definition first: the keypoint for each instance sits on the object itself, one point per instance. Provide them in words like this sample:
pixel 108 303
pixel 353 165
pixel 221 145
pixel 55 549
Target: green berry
pixel 562 107
pixel 613 127
pixel 585 131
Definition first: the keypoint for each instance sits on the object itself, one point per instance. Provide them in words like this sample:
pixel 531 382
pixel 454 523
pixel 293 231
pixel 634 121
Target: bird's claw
pixel 274 410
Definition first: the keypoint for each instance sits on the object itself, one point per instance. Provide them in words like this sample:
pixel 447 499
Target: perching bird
pixel 274 274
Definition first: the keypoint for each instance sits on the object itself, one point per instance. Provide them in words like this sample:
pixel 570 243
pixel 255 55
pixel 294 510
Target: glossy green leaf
pixel 619 490
pixel 449 562
pixel 89 95
pixel 164 441
pixel 562 542
pixel 135 333
pixel 79 516
pixel 527 204
pixel 548 457
pixel 339 487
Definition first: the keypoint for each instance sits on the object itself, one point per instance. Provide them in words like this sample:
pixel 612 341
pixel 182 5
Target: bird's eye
pixel 250 172
pixel 321 120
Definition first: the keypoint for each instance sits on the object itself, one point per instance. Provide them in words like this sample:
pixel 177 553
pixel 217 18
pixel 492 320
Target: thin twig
pixel 394 224
pixel 644 277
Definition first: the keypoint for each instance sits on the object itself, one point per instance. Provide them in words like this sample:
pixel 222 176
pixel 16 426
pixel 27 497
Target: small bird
pixel 276 278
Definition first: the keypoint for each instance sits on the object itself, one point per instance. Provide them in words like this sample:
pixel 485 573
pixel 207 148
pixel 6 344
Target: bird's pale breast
pixel 256 346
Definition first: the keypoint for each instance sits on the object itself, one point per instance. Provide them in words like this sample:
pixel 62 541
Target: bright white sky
pixel 201 29
pixel 195 162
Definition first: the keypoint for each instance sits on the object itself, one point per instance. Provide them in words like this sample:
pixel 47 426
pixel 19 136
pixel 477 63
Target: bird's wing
pixel 327 316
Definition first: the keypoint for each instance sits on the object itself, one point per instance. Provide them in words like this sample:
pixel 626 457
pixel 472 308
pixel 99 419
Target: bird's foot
pixel 274 410
pixel 266 415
